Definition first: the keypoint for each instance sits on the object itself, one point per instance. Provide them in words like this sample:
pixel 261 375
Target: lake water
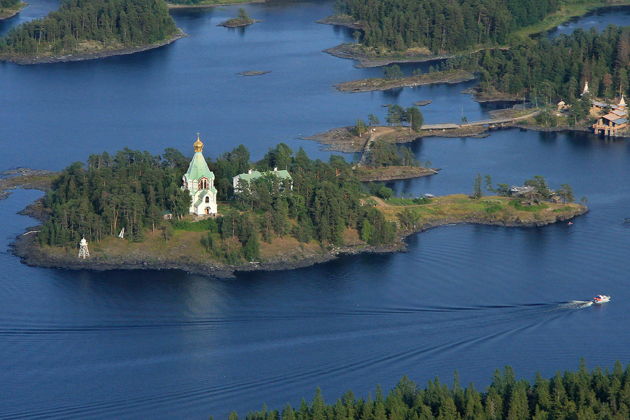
pixel 599 19
pixel 172 345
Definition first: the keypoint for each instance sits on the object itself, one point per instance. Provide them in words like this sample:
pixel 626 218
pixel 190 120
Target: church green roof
pixel 198 168
pixel 283 174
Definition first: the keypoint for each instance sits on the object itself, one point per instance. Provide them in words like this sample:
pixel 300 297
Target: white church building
pixel 199 182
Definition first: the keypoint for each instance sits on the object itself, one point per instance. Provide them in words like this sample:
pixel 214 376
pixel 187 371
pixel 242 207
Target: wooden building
pixel 614 122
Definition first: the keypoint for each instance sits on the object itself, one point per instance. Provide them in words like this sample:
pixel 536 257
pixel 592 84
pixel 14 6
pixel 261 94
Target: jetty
pixel 442 129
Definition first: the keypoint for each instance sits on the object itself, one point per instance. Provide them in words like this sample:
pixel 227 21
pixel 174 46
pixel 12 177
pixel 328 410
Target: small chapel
pixel 199 182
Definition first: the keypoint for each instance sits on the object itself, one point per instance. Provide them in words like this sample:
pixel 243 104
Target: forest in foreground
pixel 581 394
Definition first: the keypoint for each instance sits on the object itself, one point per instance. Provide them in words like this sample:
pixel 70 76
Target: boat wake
pixel 577 304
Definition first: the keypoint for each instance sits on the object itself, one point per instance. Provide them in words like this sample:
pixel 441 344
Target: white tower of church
pixel 84 252
pixel 199 181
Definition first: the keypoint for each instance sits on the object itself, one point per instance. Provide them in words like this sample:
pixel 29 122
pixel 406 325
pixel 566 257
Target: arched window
pixel 207 199
pixel 203 183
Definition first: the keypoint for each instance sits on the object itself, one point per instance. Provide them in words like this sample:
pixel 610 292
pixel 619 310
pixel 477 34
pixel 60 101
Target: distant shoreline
pixel 30 60
pixel 355 51
pixel 207 5
pixel 13 12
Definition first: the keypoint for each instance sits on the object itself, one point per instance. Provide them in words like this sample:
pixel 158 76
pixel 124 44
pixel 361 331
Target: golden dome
pixel 198 145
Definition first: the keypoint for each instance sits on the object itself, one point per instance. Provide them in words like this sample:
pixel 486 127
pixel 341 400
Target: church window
pixel 207 199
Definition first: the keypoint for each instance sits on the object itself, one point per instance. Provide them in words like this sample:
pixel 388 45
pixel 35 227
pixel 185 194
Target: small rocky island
pixel 141 217
pixel 399 81
pixel 242 20
pixel 254 73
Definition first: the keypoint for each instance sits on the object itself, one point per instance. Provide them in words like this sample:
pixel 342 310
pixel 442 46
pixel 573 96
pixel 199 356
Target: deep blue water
pixel 171 345
pixel 61 113
pixel 599 19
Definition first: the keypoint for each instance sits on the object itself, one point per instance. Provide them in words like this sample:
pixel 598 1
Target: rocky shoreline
pixel 238 23
pixel 439 77
pixel 349 51
pixel 343 140
pixel 22 60
pixel 25 178
pixel 207 5
pixel 10 13
pixel 30 252
pixel 393 173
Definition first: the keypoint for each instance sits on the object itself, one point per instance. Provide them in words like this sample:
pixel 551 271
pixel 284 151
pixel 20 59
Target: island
pixel 139 211
pixel 116 28
pixel 407 125
pixel 242 20
pixel 10 8
pixel 386 83
pixel 254 72
pixel 432 30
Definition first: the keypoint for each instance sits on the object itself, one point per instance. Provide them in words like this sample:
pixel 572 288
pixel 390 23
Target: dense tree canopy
pixel 548 70
pixel 573 395
pixel 443 25
pixel 8 3
pixel 130 189
pixel 133 189
pixel 78 24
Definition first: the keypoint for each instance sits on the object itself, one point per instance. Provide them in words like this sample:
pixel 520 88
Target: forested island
pixel 86 29
pixel 10 8
pixel 406 30
pixel 242 20
pixel 579 394
pixel 324 211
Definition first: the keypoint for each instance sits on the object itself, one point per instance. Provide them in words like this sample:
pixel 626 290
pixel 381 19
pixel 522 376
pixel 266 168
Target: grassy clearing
pixel 517 205
pixel 461 208
pixel 200 226
pixel 396 201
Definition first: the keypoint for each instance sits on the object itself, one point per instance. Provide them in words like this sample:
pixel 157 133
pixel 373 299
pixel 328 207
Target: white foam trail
pixel 577 304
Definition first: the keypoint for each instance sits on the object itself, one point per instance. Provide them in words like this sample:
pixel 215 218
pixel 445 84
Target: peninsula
pixel 346 139
pixel 141 217
pixel 115 31
pixel 10 8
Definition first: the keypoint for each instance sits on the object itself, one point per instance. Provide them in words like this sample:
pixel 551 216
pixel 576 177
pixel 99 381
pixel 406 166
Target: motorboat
pixel 601 299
